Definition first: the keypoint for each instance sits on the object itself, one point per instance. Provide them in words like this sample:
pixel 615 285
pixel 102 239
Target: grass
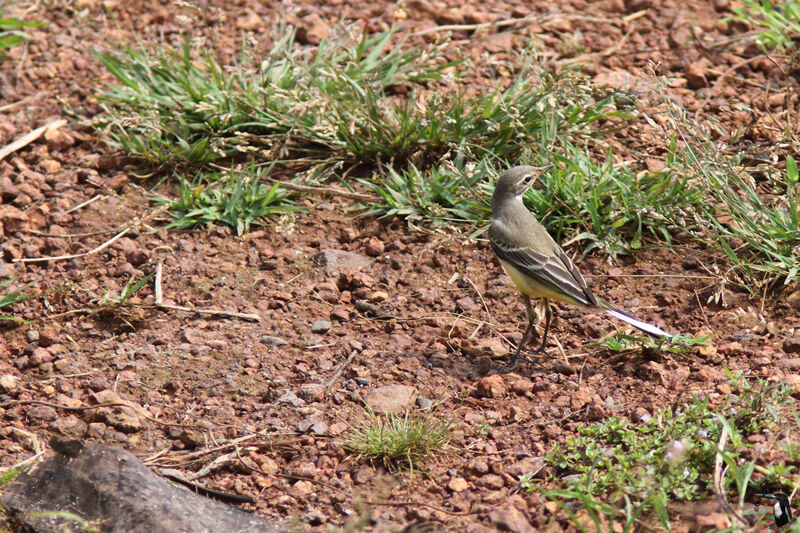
pixel 754 224
pixel 10 298
pixel 335 103
pixel 620 469
pixel 11 32
pixel 393 114
pixel 399 441
pixel 679 343
pixel 780 22
pixel 240 200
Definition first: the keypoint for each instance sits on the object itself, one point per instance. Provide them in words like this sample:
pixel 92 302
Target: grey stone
pixel 424 403
pixel 320 326
pixel 332 260
pixel 269 340
pixel 290 398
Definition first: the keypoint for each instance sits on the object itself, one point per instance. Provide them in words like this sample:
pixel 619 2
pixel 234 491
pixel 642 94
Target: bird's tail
pixel 650 329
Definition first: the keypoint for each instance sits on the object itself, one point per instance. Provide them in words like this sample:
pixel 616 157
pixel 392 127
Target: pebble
pixel 312 392
pixel 290 398
pixel 509 518
pixel 315 517
pixel 457 484
pixel 361 381
pixel 791 345
pixel 320 326
pixel 424 403
pixel 269 340
pixel 374 247
pixel 390 399
pixel 491 387
pixel 363 475
pixel 302 488
pixel 8 383
pixel 32 335
pixel 312 425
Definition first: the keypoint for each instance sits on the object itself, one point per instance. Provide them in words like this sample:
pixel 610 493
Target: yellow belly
pixel 530 287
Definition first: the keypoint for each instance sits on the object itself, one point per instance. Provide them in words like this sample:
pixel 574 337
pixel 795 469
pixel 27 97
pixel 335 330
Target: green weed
pixel 608 206
pixel 781 22
pixel 669 456
pixel 753 224
pixel 679 343
pixel 399 441
pixel 239 200
pixel 11 32
pixel 10 298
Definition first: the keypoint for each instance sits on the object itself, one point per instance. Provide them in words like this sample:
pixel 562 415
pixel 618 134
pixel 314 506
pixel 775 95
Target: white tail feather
pixel 644 326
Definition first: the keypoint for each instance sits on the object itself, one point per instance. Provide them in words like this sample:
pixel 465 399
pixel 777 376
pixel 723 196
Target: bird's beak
pixel 545 168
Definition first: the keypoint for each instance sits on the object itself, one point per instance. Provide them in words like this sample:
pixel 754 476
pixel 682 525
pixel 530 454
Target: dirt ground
pixel 427 310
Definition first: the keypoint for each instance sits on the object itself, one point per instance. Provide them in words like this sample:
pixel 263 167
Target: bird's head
pixel 516 180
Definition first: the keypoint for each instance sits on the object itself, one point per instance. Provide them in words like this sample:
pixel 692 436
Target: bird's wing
pixel 556 272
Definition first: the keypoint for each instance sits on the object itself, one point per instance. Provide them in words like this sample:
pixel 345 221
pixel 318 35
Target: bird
pixel 781 510
pixel 536 264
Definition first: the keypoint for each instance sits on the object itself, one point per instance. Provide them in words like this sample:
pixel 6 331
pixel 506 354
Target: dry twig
pixel 28 138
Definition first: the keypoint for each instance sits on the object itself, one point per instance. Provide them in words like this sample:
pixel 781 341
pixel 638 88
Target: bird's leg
pixel 548 316
pixel 531 318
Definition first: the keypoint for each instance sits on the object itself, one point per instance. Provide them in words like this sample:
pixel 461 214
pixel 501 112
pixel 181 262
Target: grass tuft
pixel 780 22
pixel 11 32
pixel 750 217
pixel 238 200
pixel 399 441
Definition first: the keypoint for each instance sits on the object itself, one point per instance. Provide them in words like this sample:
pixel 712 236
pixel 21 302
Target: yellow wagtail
pixel 537 265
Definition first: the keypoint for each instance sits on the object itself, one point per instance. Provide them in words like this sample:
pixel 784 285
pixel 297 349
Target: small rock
pixel 390 399
pixel 312 392
pixel 338 428
pixel 335 259
pixel 314 517
pixel 269 340
pixel 491 481
pixel 791 345
pixel 8 383
pixel 491 387
pixel 302 488
pixel 32 335
pixel 49 166
pixel 42 412
pixel 478 467
pixel 457 484
pixel 424 403
pixel 363 475
pixel 125 269
pixel 379 296
pixel 374 247
pixel 361 381
pixel 509 518
pixel 290 398
pixel 340 315
pixel 696 77
pixel 312 425
pixel 320 326
pixel 13 219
